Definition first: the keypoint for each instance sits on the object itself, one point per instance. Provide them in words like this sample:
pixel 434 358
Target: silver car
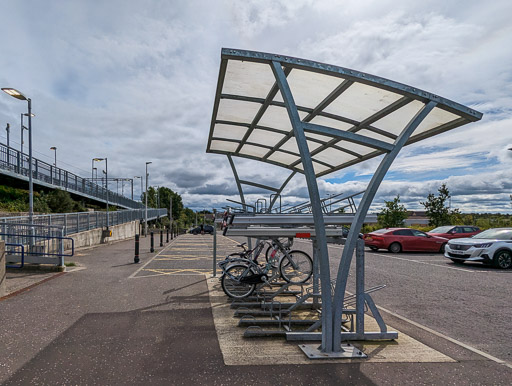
pixel 493 246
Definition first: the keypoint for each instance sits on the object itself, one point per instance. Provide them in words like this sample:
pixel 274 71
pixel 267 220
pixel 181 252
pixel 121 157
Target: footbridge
pixel 15 164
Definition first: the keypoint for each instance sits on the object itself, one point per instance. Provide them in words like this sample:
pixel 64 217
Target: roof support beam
pixel 261 186
pixel 348 136
pixel 272 93
pixel 309 172
pixel 364 205
pixel 279 191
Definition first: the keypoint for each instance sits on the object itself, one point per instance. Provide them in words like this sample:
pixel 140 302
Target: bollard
pixel 136 258
pixel 161 238
pixel 167 235
pixel 152 243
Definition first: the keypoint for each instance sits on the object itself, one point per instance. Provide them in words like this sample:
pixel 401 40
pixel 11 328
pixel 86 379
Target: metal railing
pixel 30 243
pixel 18 163
pixel 84 221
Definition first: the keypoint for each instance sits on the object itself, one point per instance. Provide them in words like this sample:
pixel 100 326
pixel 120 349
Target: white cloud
pixel 135 81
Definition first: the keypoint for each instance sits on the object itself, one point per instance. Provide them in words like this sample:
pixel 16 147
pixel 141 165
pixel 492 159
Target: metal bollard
pixel 161 238
pixel 136 258
pixel 167 235
pixel 152 249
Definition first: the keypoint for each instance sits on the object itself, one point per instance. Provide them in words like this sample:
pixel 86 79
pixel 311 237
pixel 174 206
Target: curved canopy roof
pixel 348 116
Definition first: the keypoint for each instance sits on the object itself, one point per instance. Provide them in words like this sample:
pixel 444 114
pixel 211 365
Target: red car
pixel 454 231
pixel 403 239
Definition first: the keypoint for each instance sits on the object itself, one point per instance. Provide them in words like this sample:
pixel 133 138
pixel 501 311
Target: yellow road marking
pixel 178 271
pixel 187 258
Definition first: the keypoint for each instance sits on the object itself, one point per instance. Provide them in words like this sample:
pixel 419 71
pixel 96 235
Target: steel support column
pixel 364 205
pixel 309 173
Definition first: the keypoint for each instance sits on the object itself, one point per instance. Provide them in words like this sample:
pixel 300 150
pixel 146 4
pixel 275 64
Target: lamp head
pixel 53 148
pixel 14 93
pixel 149 162
pixel 98 159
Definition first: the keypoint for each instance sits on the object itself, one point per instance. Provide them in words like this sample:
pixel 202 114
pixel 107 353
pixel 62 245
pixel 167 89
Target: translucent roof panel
pixel 360 101
pixel 347 116
pixel 229 131
pixel 310 88
pixel 265 137
pixel 237 82
pixel 237 111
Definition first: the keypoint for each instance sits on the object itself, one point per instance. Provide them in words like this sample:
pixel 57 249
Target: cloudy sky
pixel 135 81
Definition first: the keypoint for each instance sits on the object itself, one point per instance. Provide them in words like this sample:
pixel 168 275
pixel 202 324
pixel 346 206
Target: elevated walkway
pixel 15 164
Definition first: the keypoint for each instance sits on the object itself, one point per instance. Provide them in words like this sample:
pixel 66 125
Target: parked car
pixel 403 240
pixel 493 246
pixel 202 228
pixel 454 231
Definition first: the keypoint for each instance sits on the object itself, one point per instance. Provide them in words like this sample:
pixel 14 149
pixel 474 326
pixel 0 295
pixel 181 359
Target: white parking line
pixel 423 262
pixel 464 345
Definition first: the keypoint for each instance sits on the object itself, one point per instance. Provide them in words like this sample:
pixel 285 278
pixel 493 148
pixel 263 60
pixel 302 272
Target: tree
pixel 60 201
pixel 436 209
pixel 393 215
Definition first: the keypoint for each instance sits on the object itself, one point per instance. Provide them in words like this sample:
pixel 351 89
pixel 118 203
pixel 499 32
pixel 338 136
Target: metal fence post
pixel 65 224
pixel 77 222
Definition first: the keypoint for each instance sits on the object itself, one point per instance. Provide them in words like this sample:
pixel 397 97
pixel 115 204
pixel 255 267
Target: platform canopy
pixel 348 116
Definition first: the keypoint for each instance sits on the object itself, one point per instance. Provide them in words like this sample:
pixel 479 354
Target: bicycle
pixel 242 273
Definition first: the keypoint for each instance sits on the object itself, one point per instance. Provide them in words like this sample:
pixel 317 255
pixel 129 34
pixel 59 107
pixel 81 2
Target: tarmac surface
pixel 165 321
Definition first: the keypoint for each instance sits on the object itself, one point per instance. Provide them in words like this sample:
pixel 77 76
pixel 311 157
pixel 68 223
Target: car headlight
pixel 484 245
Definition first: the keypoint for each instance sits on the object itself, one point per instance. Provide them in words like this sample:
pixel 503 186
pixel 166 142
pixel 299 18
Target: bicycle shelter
pixel 316 119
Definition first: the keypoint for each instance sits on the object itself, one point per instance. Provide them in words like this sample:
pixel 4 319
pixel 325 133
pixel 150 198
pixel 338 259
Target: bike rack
pixel 315 119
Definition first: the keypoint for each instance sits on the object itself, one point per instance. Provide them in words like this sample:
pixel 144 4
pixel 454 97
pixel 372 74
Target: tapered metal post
pixel 136 259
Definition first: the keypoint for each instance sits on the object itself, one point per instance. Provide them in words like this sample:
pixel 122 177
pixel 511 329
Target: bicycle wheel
pixel 231 284
pixel 297 267
pixel 273 256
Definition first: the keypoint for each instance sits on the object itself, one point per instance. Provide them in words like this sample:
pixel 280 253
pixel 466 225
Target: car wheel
pixel 441 250
pixel 395 248
pixel 458 262
pixel 374 248
pixel 503 259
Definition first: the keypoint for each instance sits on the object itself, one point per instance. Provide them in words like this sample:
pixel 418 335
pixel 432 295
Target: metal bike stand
pixel 315 119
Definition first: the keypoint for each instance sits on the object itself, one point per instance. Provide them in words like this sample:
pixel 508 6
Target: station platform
pixel 166 321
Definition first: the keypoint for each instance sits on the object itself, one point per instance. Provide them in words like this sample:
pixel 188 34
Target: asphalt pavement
pixel 110 321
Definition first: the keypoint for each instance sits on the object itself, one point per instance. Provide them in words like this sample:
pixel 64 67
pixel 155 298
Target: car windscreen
pixel 498 234
pixel 443 229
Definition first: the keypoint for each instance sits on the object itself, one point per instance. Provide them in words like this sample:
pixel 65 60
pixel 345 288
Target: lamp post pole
pixel 141 186
pixel 54 148
pixel 18 95
pixel 106 181
pixel 146 214
pixel 7 129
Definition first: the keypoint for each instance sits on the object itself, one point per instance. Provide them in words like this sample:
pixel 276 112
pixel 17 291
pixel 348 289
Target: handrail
pixel 18 163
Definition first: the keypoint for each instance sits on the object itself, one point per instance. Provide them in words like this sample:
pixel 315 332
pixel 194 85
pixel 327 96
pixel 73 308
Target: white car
pixel 493 246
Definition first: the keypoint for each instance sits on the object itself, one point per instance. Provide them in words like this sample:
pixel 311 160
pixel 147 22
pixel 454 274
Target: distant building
pixel 416 217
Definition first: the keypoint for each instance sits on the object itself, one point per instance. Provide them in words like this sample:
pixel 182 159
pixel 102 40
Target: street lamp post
pixel 18 95
pixel 23 128
pixel 8 131
pixel 146 214
pixel 106 181
pixel 54 148
pixel 141 186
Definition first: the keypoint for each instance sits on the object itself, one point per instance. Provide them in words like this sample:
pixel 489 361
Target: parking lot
pixel 468 303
